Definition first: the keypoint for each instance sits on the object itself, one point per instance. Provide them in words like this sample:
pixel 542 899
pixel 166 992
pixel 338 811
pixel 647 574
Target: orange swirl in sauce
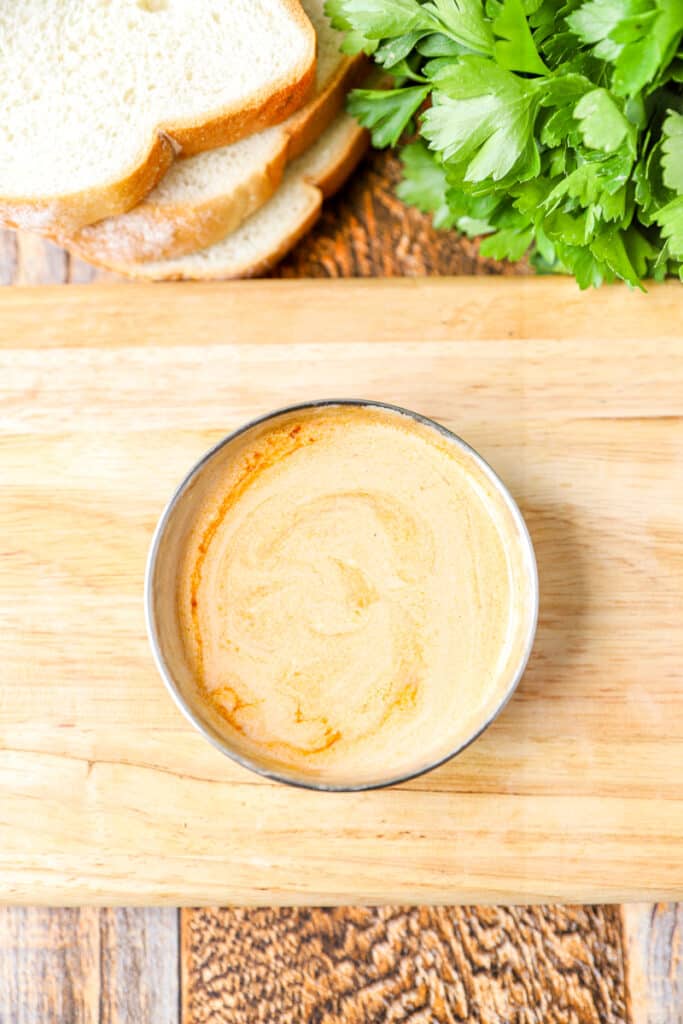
pixel 345 594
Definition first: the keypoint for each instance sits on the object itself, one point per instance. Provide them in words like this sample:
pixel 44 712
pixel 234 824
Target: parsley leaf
pixel 672 151
pixel 354 41
pixel 637 36
pixel 507 244
pixel 395 50
pixel 601 122
pixel 670 220
pixel 425 184
pixel 609 247
pixel 387 112
pixel 596 21
pixel 481 116
pixel 377 19
pixel 514 47
pixel 552 127
pixel 464 22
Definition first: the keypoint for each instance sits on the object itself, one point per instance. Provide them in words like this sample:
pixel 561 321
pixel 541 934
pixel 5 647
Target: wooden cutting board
pixel 109 393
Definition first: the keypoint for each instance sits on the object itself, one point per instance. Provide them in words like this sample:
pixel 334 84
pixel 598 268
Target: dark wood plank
pixel 654 955
pixel 543 965
pixel 365 231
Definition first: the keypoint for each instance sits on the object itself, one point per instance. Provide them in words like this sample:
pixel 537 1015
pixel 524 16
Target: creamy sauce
pixel 346 596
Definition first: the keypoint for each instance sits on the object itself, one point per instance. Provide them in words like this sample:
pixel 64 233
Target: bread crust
pixel 66 212
pixel 324 185
pixel 331 179
pixel 158 231
pixel 60 215
pixel 308 124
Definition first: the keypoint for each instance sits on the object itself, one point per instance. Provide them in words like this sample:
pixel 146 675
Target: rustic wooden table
pixel 579 965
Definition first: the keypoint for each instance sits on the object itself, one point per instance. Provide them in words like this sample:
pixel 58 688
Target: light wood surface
pixel 365 231
pixel 84 966
pixel 654 962
pixel 481 968
pixel 109 394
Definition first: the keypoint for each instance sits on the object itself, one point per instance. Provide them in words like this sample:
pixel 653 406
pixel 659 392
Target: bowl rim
pixel 203 727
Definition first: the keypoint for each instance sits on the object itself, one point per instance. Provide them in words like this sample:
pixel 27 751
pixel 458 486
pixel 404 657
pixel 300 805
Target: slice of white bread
pixel 201 199
pixel 273 230
pixel 97 96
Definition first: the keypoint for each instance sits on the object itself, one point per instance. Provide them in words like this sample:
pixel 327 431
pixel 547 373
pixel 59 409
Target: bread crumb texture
pixel 84 106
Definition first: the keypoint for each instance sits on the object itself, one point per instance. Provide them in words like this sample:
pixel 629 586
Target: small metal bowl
pixel 161 596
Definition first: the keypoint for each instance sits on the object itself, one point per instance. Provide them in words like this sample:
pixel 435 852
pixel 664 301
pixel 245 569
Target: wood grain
pixel 103 409
pixel 654 959
pixel 398 964
pixel 365 231
pixel 8 257
pixel 433 310
pixel 139 959
pixel 49 966
pixel 84 966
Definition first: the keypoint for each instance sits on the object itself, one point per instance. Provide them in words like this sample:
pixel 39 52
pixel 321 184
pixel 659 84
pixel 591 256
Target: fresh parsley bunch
pixel 553 127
